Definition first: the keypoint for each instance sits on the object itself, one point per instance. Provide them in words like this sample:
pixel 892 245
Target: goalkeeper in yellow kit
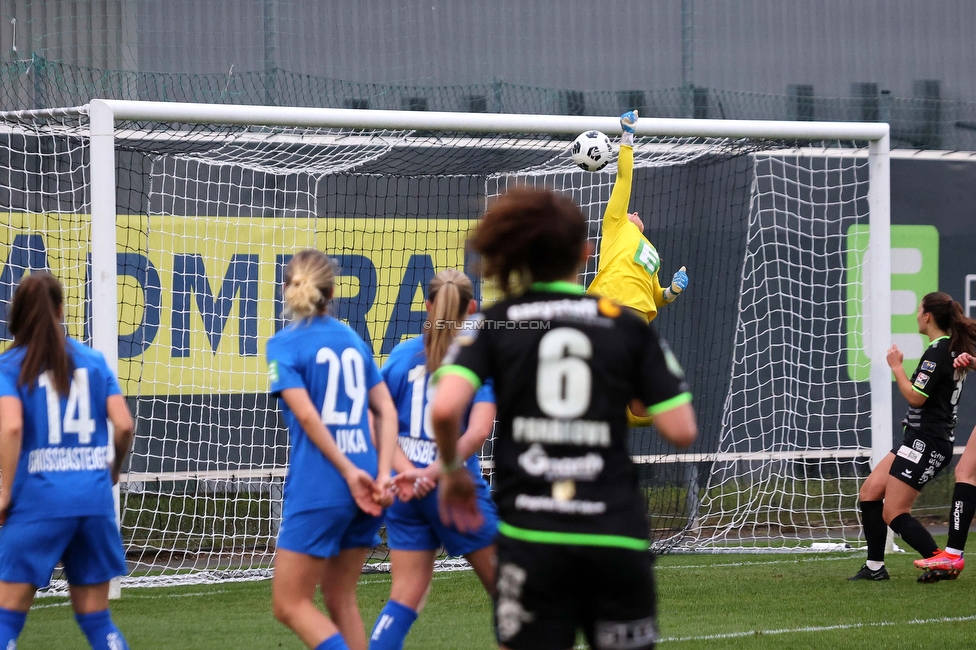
pixel 629 263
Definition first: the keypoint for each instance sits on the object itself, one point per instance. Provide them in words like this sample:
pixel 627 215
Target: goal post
pixel 228 192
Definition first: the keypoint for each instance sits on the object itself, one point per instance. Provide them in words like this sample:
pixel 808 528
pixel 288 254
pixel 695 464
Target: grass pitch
pixel 706 601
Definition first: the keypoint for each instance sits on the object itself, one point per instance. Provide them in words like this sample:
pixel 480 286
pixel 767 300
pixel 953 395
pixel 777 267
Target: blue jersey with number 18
pixel 329 360
pixel 406 374
pixel 63 470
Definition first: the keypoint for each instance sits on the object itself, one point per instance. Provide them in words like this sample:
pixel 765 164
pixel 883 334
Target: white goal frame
pixel 104 114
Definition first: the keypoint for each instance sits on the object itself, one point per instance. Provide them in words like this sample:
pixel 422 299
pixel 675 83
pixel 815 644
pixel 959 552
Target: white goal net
pixel 772 330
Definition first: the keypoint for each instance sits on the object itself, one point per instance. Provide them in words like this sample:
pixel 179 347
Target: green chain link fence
pixel 916 123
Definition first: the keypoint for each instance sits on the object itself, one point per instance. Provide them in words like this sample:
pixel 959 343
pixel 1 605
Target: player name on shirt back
pixel 67 459
pixel 561 432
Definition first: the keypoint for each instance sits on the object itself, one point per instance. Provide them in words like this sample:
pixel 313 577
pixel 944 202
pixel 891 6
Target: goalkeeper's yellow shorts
pixel 638 420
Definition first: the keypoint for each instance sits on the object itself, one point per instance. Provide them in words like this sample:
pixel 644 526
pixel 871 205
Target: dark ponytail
pixel 949 317
pixel 530 235
pixel 35 322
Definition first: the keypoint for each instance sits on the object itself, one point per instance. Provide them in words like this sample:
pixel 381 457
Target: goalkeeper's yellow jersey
pixel 628 261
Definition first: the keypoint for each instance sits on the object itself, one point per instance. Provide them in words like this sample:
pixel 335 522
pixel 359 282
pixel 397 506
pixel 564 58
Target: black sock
pixel 875 529
pixel 961 515
pixel 913 532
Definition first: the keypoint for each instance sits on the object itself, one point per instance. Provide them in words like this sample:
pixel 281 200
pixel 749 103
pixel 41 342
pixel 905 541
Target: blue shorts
pixel 416 525
pixel 326 531
pixel 89 547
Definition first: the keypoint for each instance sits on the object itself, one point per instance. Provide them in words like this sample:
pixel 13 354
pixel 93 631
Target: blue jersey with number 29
pixel 329 360
pixel 63 470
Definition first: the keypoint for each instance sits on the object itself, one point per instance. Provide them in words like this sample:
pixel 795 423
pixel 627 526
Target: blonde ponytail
pixel 449 294
pixel 309 282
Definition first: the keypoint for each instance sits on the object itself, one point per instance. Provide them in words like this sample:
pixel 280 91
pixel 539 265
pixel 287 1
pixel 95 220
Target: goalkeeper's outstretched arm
pixel 616 213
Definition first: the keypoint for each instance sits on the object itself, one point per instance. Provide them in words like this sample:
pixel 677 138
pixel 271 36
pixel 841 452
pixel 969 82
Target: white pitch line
pixel 366 580
pixel 186 595
pixel 820 628
pixel 658 567
pixel 46 606
pixel 133 597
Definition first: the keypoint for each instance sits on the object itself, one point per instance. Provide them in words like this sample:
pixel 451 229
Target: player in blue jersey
pixel 413 527
pixel 58 464
pixel 338 481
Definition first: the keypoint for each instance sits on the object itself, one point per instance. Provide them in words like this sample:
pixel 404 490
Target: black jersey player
pixel 947 564
pixel 573 543
pixel 932 392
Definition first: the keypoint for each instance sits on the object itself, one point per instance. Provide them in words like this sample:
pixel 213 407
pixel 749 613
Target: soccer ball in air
pixel 591 151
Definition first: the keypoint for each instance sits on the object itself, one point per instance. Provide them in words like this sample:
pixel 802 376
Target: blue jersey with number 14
pixel 329 360
pixel 63 470
pixel 406 375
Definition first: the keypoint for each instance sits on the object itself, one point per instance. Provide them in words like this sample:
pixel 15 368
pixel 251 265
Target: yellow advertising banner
pixel 200 296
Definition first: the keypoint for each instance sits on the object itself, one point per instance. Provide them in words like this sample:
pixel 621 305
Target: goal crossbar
pixel 115 110
pixel 479 122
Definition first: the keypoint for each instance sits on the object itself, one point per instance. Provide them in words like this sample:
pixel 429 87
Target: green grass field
pixel 706 601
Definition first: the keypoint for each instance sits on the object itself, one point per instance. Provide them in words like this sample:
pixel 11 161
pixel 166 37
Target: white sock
pixel 953 551
pixel 874 565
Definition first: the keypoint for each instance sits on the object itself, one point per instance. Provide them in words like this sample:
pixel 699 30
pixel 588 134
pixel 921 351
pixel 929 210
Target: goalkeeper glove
pixel 678 284
pixel 627 122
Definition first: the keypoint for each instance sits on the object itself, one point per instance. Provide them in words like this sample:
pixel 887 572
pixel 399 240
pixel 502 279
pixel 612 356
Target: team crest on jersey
pixel 564 490
pixel 928 366
pixel 921 380
pixel 647 257
pixel 608 308
pixel 918 445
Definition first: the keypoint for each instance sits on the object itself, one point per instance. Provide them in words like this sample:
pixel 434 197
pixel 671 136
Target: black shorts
pixel 919 458
pixel 546 592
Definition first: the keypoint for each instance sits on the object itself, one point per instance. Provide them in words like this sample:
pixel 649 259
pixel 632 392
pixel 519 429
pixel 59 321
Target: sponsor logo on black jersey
pixel 536 462
pixel 531 503
pixel 918 445
pixel 909 454
pixel 612 635
pixel 921 380
pixel 586 311
pixel 928 366
pixel 509 613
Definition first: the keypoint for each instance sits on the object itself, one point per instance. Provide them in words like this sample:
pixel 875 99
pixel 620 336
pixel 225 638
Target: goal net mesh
pixel 208 216
pixel 769 334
